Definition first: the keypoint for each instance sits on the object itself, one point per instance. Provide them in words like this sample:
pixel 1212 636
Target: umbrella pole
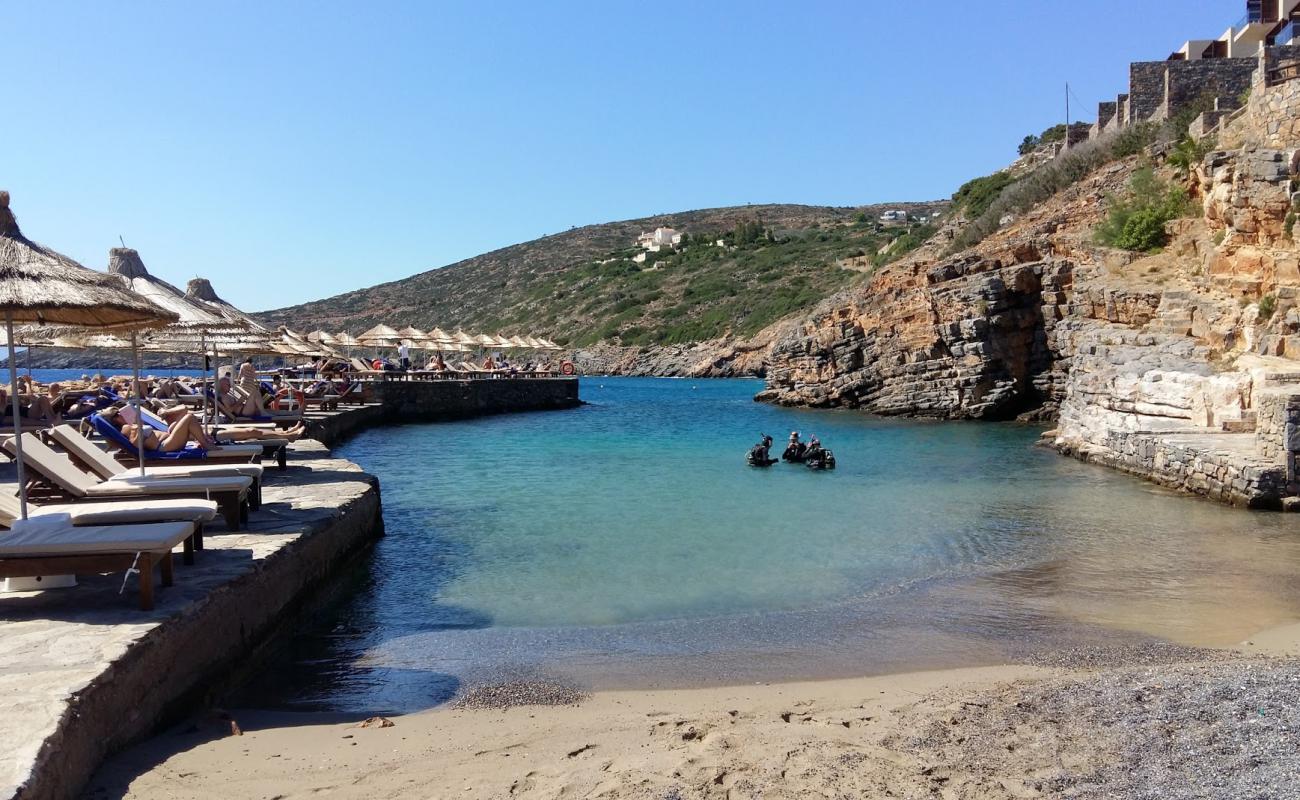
pixel 203 353
pixel 139 420
pixel 13 396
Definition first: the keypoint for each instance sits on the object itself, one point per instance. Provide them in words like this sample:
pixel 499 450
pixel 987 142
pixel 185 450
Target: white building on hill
pixel 659 239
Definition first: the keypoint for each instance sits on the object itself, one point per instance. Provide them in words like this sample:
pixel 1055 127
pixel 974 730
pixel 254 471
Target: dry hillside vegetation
pixel 582 286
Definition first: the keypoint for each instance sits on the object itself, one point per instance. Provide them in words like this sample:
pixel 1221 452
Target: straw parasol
pixel 379 336
pixel 38 285
pixel 414 334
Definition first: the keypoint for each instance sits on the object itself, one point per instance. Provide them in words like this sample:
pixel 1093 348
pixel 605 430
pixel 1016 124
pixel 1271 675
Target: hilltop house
pixel 1210 75
pixel 1267 23
pixel 660 238
pixel 655 241
pixel 893 217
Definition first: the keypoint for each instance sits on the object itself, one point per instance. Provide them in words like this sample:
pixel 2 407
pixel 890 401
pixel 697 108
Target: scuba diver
pixel 760 455
pixel 795 450
pixel 818 457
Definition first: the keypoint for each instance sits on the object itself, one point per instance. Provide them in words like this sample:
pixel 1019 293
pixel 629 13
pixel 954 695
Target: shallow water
pixel 625 543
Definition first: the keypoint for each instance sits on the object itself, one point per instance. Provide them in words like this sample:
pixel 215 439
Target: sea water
pixel 627 543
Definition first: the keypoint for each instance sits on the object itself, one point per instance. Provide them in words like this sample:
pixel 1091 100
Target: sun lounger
pixel 40 550
pixel 117 512
pixel 105 466
pixel 230 493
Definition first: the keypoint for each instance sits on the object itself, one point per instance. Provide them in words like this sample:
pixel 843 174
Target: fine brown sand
pixel 993 732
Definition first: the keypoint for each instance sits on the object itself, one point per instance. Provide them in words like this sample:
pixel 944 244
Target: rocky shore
pixel 1181 366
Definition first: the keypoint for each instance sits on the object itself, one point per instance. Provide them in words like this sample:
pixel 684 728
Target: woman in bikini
pixel 184 428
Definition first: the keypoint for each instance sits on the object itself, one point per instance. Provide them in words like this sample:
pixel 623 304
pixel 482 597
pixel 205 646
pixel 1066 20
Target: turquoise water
pixel 626 543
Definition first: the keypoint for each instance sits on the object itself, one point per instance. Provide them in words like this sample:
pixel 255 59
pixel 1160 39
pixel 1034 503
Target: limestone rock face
pixel 1182 366
pixel 1247 195
pixel 966 338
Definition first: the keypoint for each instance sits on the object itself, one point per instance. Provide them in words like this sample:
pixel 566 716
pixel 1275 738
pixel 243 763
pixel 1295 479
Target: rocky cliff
pixel 1180 366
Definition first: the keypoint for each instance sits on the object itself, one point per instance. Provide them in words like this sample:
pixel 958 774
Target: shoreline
pixel 910 732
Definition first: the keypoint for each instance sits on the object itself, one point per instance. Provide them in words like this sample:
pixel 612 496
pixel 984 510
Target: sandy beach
pixel 1157 721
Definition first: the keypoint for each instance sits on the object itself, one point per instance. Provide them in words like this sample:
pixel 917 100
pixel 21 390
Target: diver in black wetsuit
pixel 818 457
pixel 760 454
pixel 795 450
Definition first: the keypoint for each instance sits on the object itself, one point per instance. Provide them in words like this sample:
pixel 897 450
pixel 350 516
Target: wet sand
pixel 1161 721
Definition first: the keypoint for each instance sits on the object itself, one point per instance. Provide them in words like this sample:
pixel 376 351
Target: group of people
pixel 56 403
pixel 811 453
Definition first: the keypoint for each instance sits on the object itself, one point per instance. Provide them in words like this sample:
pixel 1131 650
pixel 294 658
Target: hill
pixel 582 286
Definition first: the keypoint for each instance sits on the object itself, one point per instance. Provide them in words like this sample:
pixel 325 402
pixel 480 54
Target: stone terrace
pixel 84 671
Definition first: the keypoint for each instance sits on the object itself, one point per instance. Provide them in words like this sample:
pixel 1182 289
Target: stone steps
pixel 1244 425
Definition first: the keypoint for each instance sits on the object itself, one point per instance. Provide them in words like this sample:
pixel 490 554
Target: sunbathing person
pixel 249 385
pixel 184 428
pixel 234 404
pixel 35 407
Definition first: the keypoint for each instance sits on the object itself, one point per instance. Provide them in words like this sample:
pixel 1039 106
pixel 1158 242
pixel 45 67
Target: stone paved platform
pixel 83 671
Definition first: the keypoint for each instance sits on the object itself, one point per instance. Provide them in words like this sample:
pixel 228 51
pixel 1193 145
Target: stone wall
pixel 1271 118
pixel 414 401
pixel 1146 90
pixel 1105 116
pixel 444 399
pixel 1206 464
pixel 1217 81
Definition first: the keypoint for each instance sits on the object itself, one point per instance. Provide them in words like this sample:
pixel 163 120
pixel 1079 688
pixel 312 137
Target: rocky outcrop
pixel 963 339
pixel 720 358
pixel 1181 366
pixel 970 336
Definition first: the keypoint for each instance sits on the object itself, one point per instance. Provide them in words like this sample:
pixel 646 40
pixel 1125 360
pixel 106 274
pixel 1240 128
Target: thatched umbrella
pixel 379 336
pixel 41 286
pixel 414 334
pixel 199 320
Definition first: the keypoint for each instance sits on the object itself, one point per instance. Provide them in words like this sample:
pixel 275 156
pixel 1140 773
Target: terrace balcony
pixel 1288 33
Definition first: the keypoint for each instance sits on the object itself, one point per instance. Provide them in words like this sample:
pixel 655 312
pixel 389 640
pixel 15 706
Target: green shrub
pixel 1267 305
pixel 1188 153
pixel 977 194
pixel 1133 139
pixel 1060 173
pixel 1288 226
pixel 1137 221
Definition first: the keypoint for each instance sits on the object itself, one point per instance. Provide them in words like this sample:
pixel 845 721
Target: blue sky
pixel 290 151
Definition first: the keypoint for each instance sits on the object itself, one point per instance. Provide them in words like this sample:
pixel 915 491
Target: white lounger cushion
pixel 155 538
pixel 59 469
pixel 133 485
pixel 194 471
pixel 131 511
pixel 111 512
pixel 108 467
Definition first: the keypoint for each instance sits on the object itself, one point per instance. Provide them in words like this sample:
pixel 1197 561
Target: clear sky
pixel 293 150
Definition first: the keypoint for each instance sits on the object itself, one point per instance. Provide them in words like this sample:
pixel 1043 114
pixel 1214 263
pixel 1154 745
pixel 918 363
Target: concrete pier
pixel 84 672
